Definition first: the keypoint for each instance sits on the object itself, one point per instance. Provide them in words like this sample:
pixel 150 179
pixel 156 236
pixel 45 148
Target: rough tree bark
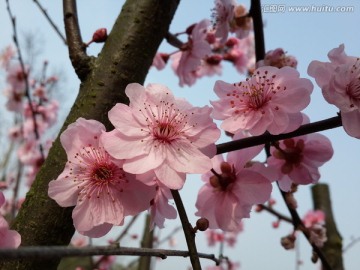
pixel 125 58
pixel 333 246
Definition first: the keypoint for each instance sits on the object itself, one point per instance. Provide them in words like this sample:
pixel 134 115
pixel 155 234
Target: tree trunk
pixel 125 58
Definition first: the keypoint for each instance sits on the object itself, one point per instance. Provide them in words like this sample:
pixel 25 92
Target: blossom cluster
pixel 157 139
pixel 29 100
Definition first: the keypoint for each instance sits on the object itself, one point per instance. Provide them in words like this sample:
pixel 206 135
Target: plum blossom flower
pixel 192 53
pixel 160 208
pixel 223 15
pixel 339 81
pixel 228 195
pixel 313 217
pixel 8 238
pixel 231 17
pixel 271 99
pixel 93 181
pixel 160 60
pixel 161 133
pixel 278 58
pixel 297 160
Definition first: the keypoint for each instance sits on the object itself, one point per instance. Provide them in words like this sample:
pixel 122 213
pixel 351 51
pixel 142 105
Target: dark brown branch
pixel 50 21
pixel 25 78
pixel 39 253
pixel 255 13
pixel 77 49
pixel 326 124
pixel 333 246
pixel 299 225
pixel 188 231
pixel 173 40
pixel 275 213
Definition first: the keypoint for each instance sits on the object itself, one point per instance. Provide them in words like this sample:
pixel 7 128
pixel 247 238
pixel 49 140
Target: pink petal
pixel 169 177
pixel 136 94
pixel 122 147
pixel 121 116
pixel 351 123
pixel 64 190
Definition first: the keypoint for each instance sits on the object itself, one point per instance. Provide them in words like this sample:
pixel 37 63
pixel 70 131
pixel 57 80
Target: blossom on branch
pixel 229 194
pixel 298 159
pixel 192 52
pixel 93 181
pixel 270 100
pixel 161 133
pixel 339 81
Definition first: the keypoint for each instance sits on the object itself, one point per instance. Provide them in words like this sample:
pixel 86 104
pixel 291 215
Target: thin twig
pixel 51 21
pixel 188 231
pixel 126 229
pixel 173 40
pixel 255 12
pixel 166 238
pixel 77 49
pixel 25 75
pixel 299 225
pixel 275 213
pixel 326 124
pixel 39 253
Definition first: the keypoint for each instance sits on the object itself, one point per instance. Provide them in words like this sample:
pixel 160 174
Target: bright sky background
pixel 306 35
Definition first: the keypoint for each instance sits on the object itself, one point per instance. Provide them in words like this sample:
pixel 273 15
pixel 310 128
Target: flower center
pixel 96 173
pixel 222 181
pixel 165 122
pixel 353 88
pixel 253 94
pixel 292 154
pixel 102 173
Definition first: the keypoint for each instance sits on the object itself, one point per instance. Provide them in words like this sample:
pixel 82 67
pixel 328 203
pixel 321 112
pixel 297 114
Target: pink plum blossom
pixel 160 60
pixel 298 159
pixel 161 133
pixel 231 17
pixel 93 181
pixel 8 238
pixel 223 15
pixel 313 217
pixel 160 208
pixel 278 58
pixel 339 81
pixel 271 99
pixel 192 53
pixel 228 195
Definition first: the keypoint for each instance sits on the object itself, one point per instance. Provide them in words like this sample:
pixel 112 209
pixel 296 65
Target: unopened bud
pixel 202 224
pixel 288 242
pixel 100 35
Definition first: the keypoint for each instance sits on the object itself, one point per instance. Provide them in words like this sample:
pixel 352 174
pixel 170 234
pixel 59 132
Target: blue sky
pixel 306 35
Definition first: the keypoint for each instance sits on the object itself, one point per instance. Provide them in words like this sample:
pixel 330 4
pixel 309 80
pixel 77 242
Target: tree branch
pixel 326 124
pixel 50 21
pixel 188 231
pixel 77 49
pixel 39 253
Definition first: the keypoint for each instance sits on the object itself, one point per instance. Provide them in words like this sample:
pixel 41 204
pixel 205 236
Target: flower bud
pixel 100 35
pixel 202 224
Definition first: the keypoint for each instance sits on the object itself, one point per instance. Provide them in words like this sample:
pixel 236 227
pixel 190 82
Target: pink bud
pixel 100 35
